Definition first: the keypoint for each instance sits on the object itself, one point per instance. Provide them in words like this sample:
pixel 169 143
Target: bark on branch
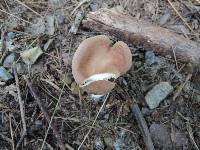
pixel 140 32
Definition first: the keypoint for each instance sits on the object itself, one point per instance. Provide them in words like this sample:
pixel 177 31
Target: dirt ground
pixel 47 24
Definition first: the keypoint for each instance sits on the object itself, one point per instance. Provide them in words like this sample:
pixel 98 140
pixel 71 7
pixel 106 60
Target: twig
pixel 3 47
pixel 143 127
pixel 21 105
pixel 11 132
pixel 175 58
pixel 92 126
pixel 180 88
pixel 15 16
pixel 44 111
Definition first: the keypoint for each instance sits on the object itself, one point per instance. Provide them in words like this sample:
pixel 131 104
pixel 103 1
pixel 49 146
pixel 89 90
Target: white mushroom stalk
pixel 98 77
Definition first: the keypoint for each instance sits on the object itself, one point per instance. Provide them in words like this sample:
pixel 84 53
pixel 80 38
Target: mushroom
pixel 97 63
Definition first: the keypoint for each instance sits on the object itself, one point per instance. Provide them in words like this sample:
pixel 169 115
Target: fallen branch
pixel 47 117
pixel 143 127
pixel 140 32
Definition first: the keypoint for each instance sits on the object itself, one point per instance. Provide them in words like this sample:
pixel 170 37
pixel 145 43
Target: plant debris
pixel 45 34
pixel 31 55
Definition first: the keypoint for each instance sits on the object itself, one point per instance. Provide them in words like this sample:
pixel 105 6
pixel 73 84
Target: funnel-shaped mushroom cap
pixel 96 60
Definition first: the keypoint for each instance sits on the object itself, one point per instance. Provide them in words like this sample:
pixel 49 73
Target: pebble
pixel 158 94
pixel 150 58
pixel 8 61
pixel 4 74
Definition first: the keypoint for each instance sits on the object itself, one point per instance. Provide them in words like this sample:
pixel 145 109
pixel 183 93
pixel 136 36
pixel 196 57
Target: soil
pixel 47 24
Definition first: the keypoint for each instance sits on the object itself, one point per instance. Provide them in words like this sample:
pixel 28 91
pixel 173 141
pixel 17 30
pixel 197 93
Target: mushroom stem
pixel 97 77
pixel 96 97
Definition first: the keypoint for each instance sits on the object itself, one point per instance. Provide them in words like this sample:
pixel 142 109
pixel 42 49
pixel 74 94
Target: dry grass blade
pixel 29 8
pixel 92 126
pixel 15 16
pixel 189 129
pixel 178 91
pixel 11 132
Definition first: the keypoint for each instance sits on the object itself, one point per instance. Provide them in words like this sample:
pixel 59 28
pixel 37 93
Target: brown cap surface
pixel 97 55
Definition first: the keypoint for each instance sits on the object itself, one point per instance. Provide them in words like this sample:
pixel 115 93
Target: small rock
pixel 160 136
pixel 99 143
pixel 158 94
pixel 4 74
pixel 8 61
pixel 150 58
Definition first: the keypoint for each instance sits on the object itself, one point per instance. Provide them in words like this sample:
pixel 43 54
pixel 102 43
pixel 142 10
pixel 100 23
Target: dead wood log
pixel 139 32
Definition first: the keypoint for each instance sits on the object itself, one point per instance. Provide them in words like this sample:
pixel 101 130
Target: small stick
pixel 180 88
pixel 3 48
pixel 143 127
pixel 21 105
pixel 11 132
pixel 47 117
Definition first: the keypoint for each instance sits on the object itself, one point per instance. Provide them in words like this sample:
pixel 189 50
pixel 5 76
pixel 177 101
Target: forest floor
pixel 44 27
